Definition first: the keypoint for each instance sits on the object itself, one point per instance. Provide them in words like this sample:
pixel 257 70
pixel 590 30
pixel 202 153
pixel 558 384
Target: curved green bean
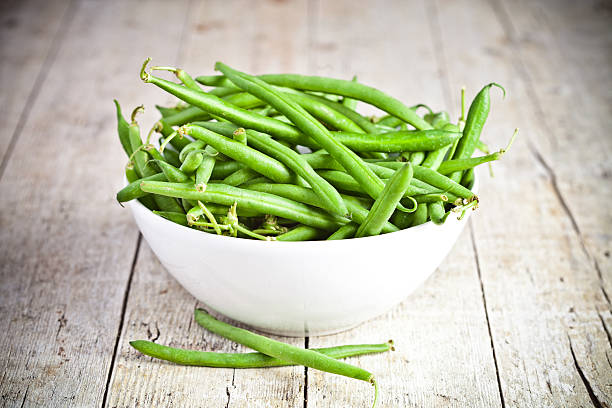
pixel 282 351
pixel 245 360
pixel 247 199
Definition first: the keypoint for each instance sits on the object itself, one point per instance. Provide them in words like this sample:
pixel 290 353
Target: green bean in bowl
pixel 288 157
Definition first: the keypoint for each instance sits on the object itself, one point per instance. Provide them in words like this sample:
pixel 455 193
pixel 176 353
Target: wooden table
pixel 518 314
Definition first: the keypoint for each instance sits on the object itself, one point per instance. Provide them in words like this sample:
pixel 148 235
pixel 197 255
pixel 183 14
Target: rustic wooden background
pixel 519 314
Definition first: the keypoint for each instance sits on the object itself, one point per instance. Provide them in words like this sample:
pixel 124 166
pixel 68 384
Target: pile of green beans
pixel 289 158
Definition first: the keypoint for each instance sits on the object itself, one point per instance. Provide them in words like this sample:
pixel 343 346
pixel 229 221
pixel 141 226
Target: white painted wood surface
pixel 519 313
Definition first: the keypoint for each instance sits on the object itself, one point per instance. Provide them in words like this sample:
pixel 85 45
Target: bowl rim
pixel 245 241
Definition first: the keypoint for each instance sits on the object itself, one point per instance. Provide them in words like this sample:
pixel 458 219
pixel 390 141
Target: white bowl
pixel 299 288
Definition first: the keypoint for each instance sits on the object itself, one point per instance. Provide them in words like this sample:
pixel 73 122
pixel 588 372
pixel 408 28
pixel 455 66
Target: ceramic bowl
pixel 299 288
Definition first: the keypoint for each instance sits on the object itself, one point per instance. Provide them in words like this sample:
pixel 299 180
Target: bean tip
pixel 144 75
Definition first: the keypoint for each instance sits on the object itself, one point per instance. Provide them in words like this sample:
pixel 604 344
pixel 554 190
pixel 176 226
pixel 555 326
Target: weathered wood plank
pixel 539 283
pixel 67 247
pixel 30 33
pixel 576 104
pixel 443 355
pixel 274 35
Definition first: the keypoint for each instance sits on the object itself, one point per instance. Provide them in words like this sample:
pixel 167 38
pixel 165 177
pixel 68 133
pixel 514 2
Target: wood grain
pixel 518 314
pixel 67 247
pixel 539 253
pixel 30 34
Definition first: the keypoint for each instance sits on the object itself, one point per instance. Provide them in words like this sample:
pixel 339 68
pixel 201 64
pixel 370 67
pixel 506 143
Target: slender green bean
pixel 176 217
pixel 172 173
pixel 123 130
pixel 397 141
pixel 282 351
pixel 132 191
pixel 347 231
pixel 241 176
pixel 256 201
pixel 302 233
pixel 192 161
pixel 436 212
pixel 246 360
pixel 476 118
pixel 384 206
pixel 420 215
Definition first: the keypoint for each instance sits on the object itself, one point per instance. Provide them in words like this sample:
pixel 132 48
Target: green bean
pixel 420 215
pixel 205 169
pixel 442 182
pixel 397 141
pixel 130 173
pixel 480 145
pixel 350 89
pixel 132 191
pixel 328 194
pixel 164 111
pixel 282 351
pixel 252 158
pixel 240 176
pixel 393 122
pixel 434 158
pixel 403 220
pixel 417 158
pixel 347 231
pixel 456 165
pixel 345 182
pixel 476 118
pixel 171 156
pixel 172 173
pixel 192 162
pixel 307 196
pixel 138 153
pixel 176 217
pixel 194 112
pixel 348 102
pixel 260 202
pixel 307 124
pixel 196 211
pixel 245 360
pixel 123 130
pixel 240 135
pixel 324 113
pixel 224 169
pixel 436 212
pixel 467 179
pixel 195 145
pixel 384 205
pixel 183 76
pixel 229 111
pixel 302 233
pixel 434 197
pixel 353 116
